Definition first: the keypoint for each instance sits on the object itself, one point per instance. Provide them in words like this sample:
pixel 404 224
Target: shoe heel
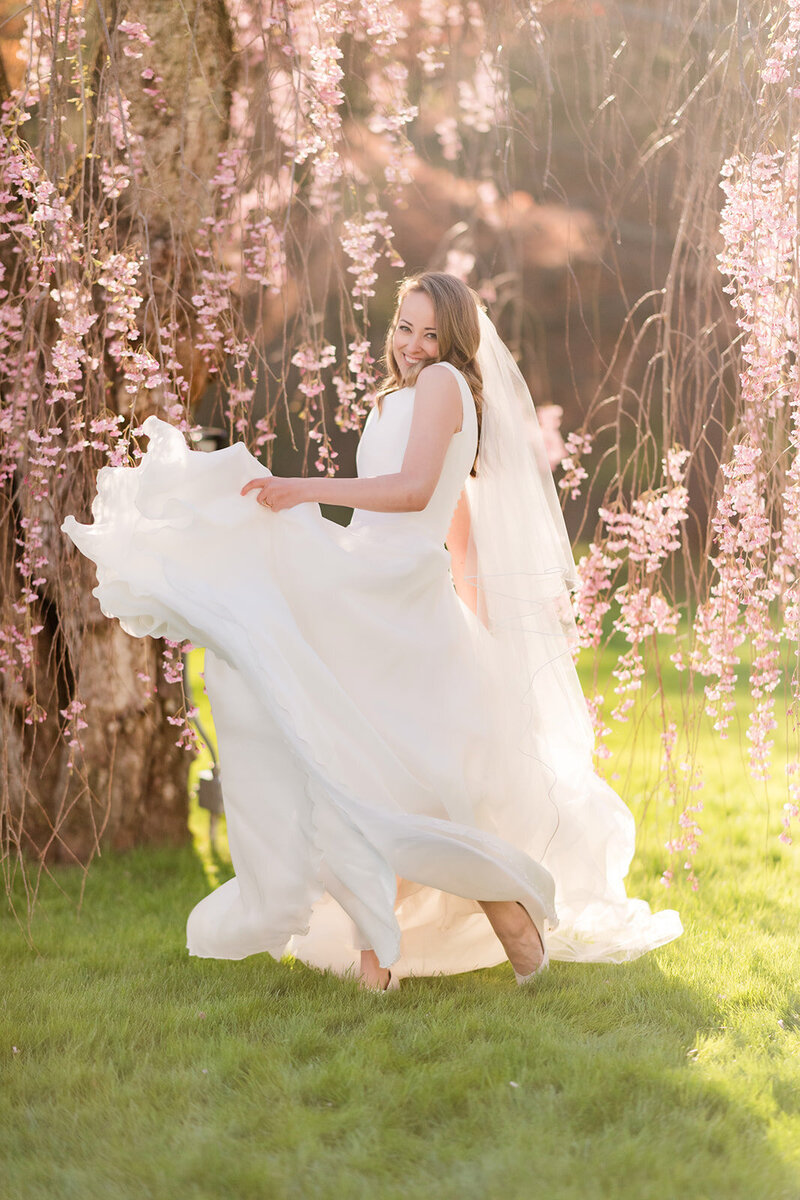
pixel 392 986
pixel 522 980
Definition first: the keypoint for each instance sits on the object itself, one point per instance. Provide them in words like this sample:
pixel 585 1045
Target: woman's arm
pixel 437 416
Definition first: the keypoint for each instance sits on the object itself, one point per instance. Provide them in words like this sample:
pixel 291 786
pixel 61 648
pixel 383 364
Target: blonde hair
pixel 458 333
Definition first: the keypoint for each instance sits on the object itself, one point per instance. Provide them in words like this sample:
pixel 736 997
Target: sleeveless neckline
pixel 381 451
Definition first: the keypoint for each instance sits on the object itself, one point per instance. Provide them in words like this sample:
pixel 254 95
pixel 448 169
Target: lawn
pixel 131 1071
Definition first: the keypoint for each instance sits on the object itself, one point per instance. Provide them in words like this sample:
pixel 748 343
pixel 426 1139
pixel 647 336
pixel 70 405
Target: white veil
pixel 552 802
pixel 525 565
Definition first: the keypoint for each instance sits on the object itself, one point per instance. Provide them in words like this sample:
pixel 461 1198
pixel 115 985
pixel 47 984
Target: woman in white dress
pixel 405 749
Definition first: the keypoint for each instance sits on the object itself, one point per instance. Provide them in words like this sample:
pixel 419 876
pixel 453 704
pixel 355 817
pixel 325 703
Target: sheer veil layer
pixel 576 825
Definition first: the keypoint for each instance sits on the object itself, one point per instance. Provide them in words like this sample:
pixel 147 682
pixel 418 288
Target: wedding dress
pixel 362 715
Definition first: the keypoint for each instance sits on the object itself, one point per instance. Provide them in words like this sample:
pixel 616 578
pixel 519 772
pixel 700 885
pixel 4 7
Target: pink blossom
pixel 577 445
pixel 360 241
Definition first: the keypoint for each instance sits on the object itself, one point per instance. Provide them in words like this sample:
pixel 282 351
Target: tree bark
pixel 127 784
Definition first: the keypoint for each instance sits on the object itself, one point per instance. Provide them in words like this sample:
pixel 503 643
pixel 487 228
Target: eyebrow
pixel 428 328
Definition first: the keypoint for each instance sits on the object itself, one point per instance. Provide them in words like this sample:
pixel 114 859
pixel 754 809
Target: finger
pixel 254 483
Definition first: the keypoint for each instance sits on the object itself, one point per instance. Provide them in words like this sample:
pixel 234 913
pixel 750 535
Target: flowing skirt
pixel 353 697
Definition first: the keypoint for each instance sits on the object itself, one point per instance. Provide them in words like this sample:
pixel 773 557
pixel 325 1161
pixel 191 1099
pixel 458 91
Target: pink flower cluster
pixel 791 809
pixel 622 569
pixel 118 277
pixel 356 388
pixel 642 537
pixel 73 723
pixel 364 240
pixel 650 532
pixel 392 112
pixel 756 524
pixel 263 254
pixel 482 99
pixel 781 64
pixel 434 20
pixel 591 599
pixel 578 446
pixel 759 225
pixel 311 362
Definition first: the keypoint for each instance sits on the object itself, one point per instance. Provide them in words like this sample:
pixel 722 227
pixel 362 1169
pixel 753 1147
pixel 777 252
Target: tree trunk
pixel 127 782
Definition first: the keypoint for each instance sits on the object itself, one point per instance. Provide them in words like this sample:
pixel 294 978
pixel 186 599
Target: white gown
pixel 352 698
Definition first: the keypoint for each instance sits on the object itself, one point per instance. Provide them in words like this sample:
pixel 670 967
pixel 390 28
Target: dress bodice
pixel 382 449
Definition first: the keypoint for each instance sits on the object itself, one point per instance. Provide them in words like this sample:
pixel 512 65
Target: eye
pixel 432 335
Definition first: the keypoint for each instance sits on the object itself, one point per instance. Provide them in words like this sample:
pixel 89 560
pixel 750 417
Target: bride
pixel 406 751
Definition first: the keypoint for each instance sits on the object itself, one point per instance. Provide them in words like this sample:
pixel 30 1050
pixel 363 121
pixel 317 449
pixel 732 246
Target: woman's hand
pixel 276 493
pixel 438 414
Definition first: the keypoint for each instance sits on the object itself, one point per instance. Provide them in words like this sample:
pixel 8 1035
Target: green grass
pixel 142 1073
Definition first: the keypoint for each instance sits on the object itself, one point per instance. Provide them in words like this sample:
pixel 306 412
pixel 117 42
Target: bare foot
pixel 373 975
pixel 517 933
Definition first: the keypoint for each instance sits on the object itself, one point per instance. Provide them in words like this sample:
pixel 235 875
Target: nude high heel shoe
pixel 543 965
pixel 369 960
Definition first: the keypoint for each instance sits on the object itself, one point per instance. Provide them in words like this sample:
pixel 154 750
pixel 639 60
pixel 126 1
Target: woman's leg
pixel 515 930
pixel 373 975
pixel 519 936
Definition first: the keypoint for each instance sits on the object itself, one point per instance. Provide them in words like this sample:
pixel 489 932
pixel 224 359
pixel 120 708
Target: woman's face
pixel 414 339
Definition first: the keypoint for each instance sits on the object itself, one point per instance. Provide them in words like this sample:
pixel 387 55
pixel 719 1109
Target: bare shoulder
pixel 438 399
pixel 438 379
